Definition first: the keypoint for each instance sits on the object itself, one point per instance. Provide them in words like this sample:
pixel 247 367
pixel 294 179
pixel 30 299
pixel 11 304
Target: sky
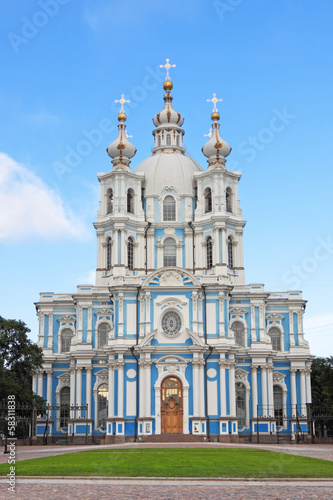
pixel 65 62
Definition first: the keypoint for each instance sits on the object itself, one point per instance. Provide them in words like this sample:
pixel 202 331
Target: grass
pixel 175 463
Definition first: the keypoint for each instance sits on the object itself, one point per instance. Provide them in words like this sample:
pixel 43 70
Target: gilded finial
pixel 214 100
pixel 122 102
pixel 167 66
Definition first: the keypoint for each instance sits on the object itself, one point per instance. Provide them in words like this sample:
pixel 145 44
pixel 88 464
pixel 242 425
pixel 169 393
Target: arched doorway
pixel 171 406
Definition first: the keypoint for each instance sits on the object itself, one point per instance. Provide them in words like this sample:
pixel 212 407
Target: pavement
pixel 168 488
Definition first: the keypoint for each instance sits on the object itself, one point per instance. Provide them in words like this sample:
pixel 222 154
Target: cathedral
pixel 170 339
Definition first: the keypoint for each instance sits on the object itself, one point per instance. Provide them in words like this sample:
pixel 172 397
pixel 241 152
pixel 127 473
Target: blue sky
pixel 65 62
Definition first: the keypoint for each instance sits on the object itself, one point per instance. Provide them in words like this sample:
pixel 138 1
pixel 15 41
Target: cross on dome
pixel 167 66
pixel 214 100
pixel 122 102
pixel 209 134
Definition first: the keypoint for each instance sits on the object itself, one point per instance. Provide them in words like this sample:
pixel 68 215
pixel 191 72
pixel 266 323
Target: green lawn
pixel 175 463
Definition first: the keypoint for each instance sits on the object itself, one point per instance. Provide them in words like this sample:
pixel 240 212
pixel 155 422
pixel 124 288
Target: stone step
pixel 173 438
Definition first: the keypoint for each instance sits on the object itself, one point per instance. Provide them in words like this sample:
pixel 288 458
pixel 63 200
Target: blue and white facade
pixel 170 338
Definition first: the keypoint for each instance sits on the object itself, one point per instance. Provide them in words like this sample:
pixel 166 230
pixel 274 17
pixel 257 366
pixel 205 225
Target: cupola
pixel 216 149
pixel 121 150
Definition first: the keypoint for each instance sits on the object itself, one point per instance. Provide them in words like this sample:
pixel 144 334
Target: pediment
pixel 237 311
pixel 274 317
pixel 171 277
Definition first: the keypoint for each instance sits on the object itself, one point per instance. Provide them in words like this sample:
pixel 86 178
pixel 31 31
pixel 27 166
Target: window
pixel 158 140
pixel 102 405
pixel 130 201
pixel 171 323
pixel 278 404
pixel 168 140
pixel 170 252
pixel 238 329
pixel 109 201
pixel 66 336
pixel 209 252
pixel 130 253
pixel 177 140
pixel 275 335
pixel 208 200
pixel 241 404
pixel 103 334
pixel 230 253
pixel 228 200
pixel 64 406
pixel 108 253
pixel 169 208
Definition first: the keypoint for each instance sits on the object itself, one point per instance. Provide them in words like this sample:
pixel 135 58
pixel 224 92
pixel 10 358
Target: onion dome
pixel 168 133
pixel 216 149
pixel 121 150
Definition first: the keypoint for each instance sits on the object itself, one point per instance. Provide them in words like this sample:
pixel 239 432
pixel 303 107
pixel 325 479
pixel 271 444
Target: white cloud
pixel 30 209
pixel 319 332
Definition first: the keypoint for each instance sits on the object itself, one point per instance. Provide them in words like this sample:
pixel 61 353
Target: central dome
pixel 167 169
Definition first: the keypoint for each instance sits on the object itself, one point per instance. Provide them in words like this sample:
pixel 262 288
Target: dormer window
pixel 109 201
pixel 130 201
pixel 169 208
pixel 208 200
pixel 228 200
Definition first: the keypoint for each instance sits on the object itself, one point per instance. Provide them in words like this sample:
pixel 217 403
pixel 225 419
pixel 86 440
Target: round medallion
pixel 171 323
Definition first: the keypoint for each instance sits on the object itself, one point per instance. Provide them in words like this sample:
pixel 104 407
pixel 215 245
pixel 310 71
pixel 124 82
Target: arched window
pixel 168 140
pixel 230 253
pixel 108 253
pixel 278 404
pixel 130 201
pixel 64 406
pixel 170 253
pixel 102 405
pixel 209 252
pixel 238 329
pixel 66 336
pixel 275 335
pixel 109 201
pixel 241 404
pixel 208 200
pixel 169 208
pixel 228 200
pixel 130 253
pixel 103 334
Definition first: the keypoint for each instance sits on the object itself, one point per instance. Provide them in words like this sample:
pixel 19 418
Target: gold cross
pixel 210 133
pixel 128 136
pixel 122 102
pixel 167 66
pixel 214 100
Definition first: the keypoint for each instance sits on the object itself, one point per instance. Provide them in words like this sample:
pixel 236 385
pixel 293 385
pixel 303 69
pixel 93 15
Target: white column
pixel 120 367
pixel 40 384
pixel 50 336
pixel 253 325
pixel 293 390
pixel 224 247
pixel 34 382
pixel 195 365
pixel 221 312
pixel 88 390
pixel 303 392
pixel 232 389
pixel 111 388
pixel 49 387
pixel 254 387
pixel 78 389
pixel 264 390
pixel 201 394
pixel 223 388
pixel 72 389
pixel 142 389
pixel 270 392
pixel 308 386
pixel 291 328
pixel 149 327
pixel 147 384
pixel 121 315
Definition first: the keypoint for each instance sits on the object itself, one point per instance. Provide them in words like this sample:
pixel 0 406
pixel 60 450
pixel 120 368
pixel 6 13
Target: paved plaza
pixel 171 488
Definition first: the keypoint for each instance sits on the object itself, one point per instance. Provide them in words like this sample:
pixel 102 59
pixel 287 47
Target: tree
pixel 19 359
pixel 322 381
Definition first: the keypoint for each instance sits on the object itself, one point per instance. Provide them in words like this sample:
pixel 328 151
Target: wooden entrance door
pixel 172 406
